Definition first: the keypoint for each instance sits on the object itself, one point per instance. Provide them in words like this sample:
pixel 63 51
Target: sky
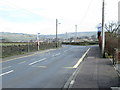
pixel 39 16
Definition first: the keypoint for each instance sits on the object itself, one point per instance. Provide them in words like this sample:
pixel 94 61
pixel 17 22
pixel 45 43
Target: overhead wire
pixel 23 9
pixel 86 12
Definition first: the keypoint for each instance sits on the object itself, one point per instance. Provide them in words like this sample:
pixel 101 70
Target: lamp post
pixel 75 32
pixel 57 32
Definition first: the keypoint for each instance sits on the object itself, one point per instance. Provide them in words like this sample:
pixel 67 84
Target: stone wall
pixel 11 50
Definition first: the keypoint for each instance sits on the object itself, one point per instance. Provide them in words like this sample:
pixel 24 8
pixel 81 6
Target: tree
pixel 112 27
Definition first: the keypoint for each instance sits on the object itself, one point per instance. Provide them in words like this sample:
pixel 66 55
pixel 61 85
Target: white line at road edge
pixel 6 72
pixel 38 61
pixel 77 64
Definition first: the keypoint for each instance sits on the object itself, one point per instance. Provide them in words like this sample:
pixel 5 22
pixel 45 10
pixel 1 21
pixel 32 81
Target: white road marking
pixel 66 50
pixel 68 67
pixel 38 61
pixel 40 66
pixel 5 67
pixel 56 54
pixel 22 62
pixel 72 82
pixel 6 72
pixel 115 88
pixel 77 64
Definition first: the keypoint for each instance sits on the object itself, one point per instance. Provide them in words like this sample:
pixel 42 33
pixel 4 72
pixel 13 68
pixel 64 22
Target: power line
pixel 86 13
pixel 15 6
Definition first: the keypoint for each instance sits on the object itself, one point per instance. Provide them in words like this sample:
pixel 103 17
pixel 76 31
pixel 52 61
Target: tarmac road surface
pixel 50 69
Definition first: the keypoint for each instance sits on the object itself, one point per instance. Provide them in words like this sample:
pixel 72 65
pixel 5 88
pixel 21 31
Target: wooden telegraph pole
pixel 56 32
pixel 103 32
pixel 76 31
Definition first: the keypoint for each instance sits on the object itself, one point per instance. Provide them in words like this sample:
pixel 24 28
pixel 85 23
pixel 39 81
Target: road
pixel 50 69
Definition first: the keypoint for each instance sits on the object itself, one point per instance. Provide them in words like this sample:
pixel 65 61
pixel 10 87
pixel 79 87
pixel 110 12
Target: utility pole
pixel 119 24
pixel 76 30
pixel 103 33
pixel 56 32
pixel 66 36
pixel 119 12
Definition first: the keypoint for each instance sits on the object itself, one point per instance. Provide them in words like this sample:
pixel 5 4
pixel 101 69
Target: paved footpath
pixel 96 73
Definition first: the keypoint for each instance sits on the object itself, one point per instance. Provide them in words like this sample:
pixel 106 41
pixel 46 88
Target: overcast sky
pixel 38 16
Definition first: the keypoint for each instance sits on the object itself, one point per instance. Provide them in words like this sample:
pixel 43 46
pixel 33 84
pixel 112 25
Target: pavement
pixel 95 72
pixel 117 67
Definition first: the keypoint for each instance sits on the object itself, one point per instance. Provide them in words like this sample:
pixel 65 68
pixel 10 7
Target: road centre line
pixel 56 54
pixel 5 67
pixel 66 50
pixel 40 66
pixel 6 72
pixel 37 61
pixel 80 60
pixel 22 62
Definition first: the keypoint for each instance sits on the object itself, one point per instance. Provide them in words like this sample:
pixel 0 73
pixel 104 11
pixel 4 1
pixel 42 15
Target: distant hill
pixel 16 36
pixel 79 34
pixel 26 37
